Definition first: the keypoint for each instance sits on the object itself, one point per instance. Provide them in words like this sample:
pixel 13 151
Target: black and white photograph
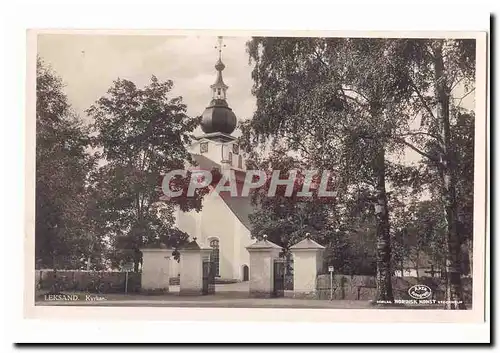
pixel 240 170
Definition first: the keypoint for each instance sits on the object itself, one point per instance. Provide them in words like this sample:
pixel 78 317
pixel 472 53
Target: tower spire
pixel 219 46
pixel 219 88
pixel 218 118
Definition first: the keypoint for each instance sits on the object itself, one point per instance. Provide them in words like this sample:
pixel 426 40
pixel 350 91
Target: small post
pixel 330 269
pixel 126 282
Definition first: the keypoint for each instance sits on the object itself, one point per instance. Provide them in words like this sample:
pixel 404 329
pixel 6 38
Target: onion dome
pixel 218 117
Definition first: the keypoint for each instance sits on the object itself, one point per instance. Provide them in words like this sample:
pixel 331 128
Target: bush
pixel 87 281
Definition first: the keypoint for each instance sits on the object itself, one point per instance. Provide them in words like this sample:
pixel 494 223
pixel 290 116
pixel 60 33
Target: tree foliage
pixel 63 164
pixel 143 134
pixel 439 68
pixel 346 104
pixel 337 103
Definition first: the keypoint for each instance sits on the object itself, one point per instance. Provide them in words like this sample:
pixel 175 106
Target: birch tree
pixel 437 69
pixel 337 102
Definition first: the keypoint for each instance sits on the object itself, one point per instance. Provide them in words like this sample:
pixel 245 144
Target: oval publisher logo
pixel 419 291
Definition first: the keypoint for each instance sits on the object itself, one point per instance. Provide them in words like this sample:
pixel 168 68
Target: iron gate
pixel 208 278
pixel 279 278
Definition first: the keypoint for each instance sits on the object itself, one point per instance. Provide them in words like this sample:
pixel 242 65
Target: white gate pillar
pixel 155 272
pixel 307 262
pixel 191 268
pixel 262 254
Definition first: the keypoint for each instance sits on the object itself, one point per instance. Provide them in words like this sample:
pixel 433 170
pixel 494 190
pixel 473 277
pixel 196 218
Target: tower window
pixel 240 162
pixel 214 256
pixel 204 147
pixel 236 148
pixel 218 91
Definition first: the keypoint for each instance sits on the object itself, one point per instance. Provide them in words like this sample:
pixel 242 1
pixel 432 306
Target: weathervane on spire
pixel 219 88
pixel 220 46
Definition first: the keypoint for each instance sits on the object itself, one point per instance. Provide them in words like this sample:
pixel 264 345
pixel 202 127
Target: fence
pixel 96 281
pixel 365 288
pixel 87 281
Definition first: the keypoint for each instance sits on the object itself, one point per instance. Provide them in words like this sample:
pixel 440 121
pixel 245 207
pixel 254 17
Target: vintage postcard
pixel 319 176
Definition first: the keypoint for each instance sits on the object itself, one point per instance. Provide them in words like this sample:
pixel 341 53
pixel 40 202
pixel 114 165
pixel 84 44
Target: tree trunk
pixel 384 274
pixel 470 251
pixel 137 259
pixel 136 264
pixel 448 180
pixel 417 263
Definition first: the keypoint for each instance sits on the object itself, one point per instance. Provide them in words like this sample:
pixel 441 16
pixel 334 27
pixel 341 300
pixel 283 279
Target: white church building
pixel 223 223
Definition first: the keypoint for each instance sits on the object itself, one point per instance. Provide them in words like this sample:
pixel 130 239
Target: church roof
pixel 240 206
pixel 193 245
pixel 216 136
pixel 305 244
pixel 155 245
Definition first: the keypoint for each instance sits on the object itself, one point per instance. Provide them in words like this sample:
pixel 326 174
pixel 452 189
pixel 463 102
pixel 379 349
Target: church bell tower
pixel 218 122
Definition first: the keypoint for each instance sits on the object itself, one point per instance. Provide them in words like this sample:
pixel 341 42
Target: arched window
pixel 214 256
pixel 240 162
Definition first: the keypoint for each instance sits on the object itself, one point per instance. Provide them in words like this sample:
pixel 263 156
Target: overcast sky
pixel 88 64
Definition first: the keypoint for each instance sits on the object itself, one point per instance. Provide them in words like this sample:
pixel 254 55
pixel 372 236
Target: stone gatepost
pixel 155 272
pixel 191 268
pixel 262 255
pixel 307 262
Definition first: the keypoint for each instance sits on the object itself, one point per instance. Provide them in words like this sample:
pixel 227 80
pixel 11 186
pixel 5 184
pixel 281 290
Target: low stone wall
pixel 175 281
pixel 301 295
pixel 88 281
pixel 364 287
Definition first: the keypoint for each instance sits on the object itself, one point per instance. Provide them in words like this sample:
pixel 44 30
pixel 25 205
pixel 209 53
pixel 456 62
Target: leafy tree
pixel 337 102
pixel 411 183
pixel 63 164
pixel 419 235
pixel 343 228
pixel 437 68
pixel 285 219
pixel 463 140
pixel 142 133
